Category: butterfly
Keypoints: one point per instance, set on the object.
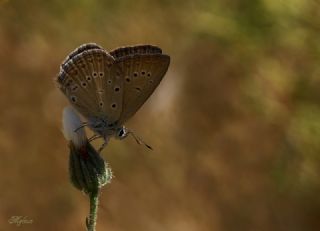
(108, 88)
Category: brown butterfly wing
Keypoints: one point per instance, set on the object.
(143, 67)
(80, 49)
(89, 82)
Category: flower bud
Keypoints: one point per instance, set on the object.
(88, 171)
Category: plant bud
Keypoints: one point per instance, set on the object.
(88, 170)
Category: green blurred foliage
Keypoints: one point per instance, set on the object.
(235, 123)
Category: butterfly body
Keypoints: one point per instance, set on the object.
(109, 88)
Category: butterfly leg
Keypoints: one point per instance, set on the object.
(83, 125)
(95, 136)
(106, 141)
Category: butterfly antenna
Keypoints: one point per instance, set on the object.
(83, 125)
(139, 140)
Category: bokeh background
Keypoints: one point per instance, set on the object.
(235, 123)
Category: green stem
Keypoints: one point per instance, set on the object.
(92, 220)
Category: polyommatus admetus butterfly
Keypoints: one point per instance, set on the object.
(109, 88)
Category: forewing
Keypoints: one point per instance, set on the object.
(80, 49)
(143, 67)
(88, 81)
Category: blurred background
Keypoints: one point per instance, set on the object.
(235, 123)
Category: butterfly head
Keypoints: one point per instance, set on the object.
(121, 133)
(105, 129)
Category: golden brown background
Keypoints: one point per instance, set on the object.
(235, 123)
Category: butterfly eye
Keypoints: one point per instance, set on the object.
(121, 133)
